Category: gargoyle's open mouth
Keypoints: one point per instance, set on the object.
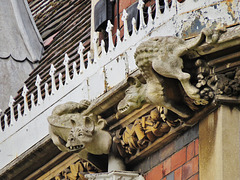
(75, 148)
(123, 109)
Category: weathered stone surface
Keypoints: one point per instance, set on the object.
(159, 59)
(135, 97)
(73, 131)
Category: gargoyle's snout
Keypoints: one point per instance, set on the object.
(73, 145)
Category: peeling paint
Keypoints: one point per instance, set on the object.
(191, 23)
(194, 29)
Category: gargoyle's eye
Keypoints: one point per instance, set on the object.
(80, 134)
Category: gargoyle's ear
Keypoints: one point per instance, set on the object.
(93, 118)
(101, 123)
(89, 124)
(133, 81)
(73, 123)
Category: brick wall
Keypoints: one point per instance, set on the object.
(177, 160)
(182, 165)
(123, 4)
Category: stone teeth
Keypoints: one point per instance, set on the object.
(124, 108)
(75, 147)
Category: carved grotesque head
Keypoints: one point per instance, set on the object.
(81, 134)
(72, 130)
(134, 97)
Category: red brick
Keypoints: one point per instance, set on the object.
(178, 159)
(190, 151)
(155, 173)
(190, 168)
(121, 33)
(166, 166)
(114, 30)
(133, 1)
(164, 178)
(114, 39)
(152, 2)
(115, 9)
(178, 174)
(123, 4)
(196, 147)
(194, 177)
(120, 21)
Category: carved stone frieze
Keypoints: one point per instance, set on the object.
(77, 171)
(206, 80)
(136, 136)
(229, 83)
(211, 84)
(72, 130)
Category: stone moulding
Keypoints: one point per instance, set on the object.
(126, 175)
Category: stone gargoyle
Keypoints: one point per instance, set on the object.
(72, 130)
(160, 62)
(136, 96)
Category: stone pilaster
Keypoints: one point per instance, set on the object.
(219, 149)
